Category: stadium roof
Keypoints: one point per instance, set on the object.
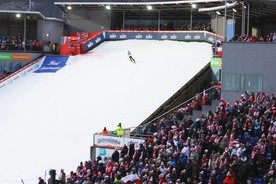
(260, 10)
(31, 15)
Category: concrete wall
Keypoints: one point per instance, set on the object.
(217, 24)
(88, 21)
(249, 58)
(50, 30)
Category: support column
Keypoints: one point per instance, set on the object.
(30, 5)
(191, 20)
(216, 28)
(158, 26)
(243, 20)
(234, 23)
(225, 21)
(248, 19)
(124, 19)
(24, 36)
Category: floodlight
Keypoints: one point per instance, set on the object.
(149, 7)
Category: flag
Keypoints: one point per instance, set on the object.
(131, 177)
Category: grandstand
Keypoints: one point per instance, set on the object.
(215, 126)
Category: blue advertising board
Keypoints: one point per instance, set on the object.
(93, 42)
(52, 64)
(166, 35)
(198, 36)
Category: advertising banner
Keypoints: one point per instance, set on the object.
(21, 57)
(93, 42)
(52, 64)
(111, 142)
(199, 36)
(104, 152)
(5, 56)
(15, 57)
(212, 38)
(216, 62)
(162, 35)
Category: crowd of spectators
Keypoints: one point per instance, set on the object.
(235, 144)
(168, 26)
(245, 38)
(16, 42)
(201, 27)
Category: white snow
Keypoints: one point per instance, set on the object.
(48, 119)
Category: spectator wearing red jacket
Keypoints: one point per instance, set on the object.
(229, 179)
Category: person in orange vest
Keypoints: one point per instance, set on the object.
(104, 132)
